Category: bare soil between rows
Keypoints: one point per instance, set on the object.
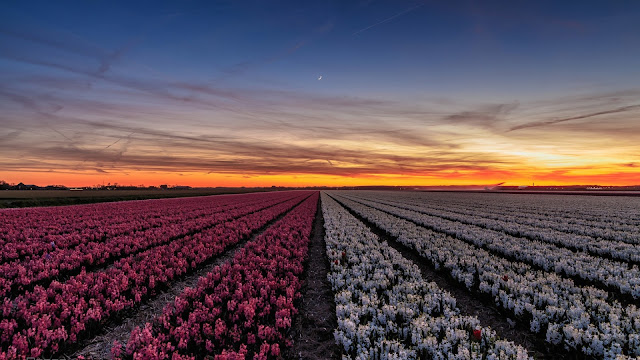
(312, 330)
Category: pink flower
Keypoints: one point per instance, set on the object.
(275, 349)
(221, 329)
(116, 349)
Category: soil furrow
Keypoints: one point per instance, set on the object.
(312, 330)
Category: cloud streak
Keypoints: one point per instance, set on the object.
(74, 116)
(224, 154)
(572, 118)
(487, 116)
(319, 139)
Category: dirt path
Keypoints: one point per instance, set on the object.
(468, 302)
(99, 346)
(312, 330)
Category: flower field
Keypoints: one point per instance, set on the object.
(563, 270)
(552, 277)
(382, 303)
(48, 319)
(245, 306)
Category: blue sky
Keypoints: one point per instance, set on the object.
(506, 45)
(88, 74)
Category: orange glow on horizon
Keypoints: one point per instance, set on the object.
(196, 179)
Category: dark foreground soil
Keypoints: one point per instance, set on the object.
(312, 330)
(468, 302)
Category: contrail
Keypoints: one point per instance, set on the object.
(117, 141)
(58, 132)
(388, 19)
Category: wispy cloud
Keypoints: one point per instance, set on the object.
(486, 116)
(89, 115)
(61, 40)
(577, 117)
(242, 154)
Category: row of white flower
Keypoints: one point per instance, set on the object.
(592, 226)
(574, 236)
(386, 310)
(581, 318)
(616, 274)
(590, 229)
(602, 211)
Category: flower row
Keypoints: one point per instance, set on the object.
(588, 234)
(45, 223)
(579, 318)
(615, 212)
(588, 225)
(534, 230)
(44, 321)
(35, 231)
(241, 308)
(20, 274)
(614, 274)
(385, 309)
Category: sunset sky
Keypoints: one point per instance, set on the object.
(296, 93)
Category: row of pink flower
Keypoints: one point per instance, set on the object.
(43, 322)
(243, 308)
(17, 275)
(34, 223)
(35, 231)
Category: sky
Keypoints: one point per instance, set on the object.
(299, 93)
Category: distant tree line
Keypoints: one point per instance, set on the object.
(6, 186)
(21, 186)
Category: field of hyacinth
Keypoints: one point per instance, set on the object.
(563, 269)
(565, 266)
(62, 281)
